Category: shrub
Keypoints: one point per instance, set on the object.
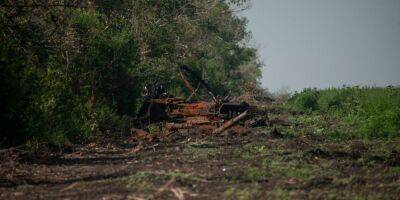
(105, 119)
(383, 125)
(380, 113)
(330, 99)
(307, 100)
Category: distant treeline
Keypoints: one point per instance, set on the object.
(70, 69)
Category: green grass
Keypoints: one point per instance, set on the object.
(364, 112)
(252, 192)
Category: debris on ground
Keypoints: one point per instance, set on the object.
(197, 116)
(268, 162)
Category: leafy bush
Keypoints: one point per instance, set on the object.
(380, 113)
(307, 100)
(330, 99)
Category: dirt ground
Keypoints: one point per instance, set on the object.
(264, 164)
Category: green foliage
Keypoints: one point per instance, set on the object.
(375, 112)
(381, 111)
(254, 191)
(307, 100)
(69, 73)
(330, 100)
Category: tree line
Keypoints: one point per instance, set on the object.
(72, 69)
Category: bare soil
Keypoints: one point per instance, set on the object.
(264, 164)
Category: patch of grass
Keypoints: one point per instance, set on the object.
(292, 169)
(280, 193)
(183, 178)
(255, 149)
(252, 192)
(141, 181)
(250, 151)
(392, 171)
(139, 177)
(150, 179)
(201, 151)
(316, 123)
(254, 174)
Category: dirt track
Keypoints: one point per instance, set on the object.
(262, 164)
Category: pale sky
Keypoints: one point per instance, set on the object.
(326, 43)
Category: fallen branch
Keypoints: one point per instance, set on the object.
(230, 123)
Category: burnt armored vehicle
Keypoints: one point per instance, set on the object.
(180, 114)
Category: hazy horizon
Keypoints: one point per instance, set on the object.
(326, 43)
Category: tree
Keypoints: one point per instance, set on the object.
(72, 68)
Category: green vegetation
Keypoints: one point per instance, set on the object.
(360, 112)
(71, 69)
(252, 192)
(73, 72)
